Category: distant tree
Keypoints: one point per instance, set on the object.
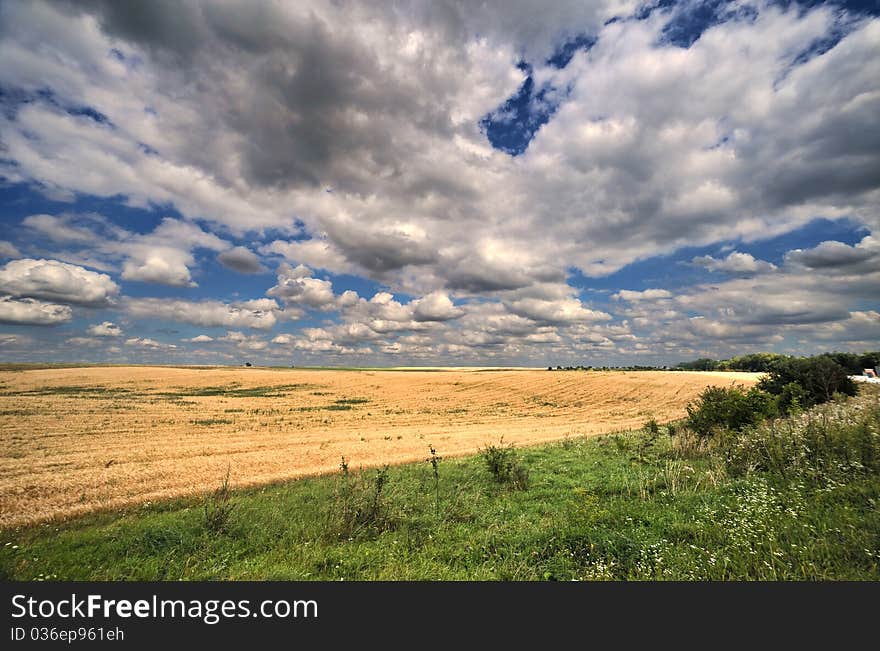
(755, 362)
(702, 364)
(820, 378)
(855, 363)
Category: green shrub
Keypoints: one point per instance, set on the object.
(793, 398)
(732, 408)
(645, 442)
(504, 467)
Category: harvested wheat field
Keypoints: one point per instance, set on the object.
(83, 439)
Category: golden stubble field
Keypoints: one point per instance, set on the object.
(83, 439)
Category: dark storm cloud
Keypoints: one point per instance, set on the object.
(289, 88)
(378, 251)
(839, 257)
(242, 260)
(479, 277)
(163, 26)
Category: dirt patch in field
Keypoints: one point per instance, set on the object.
(82, 439)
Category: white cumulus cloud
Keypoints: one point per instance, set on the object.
(262, 314)
(735, 263)
(56, 281)
(29, 311)
(105, 329)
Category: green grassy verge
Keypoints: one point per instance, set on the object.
(793, 499)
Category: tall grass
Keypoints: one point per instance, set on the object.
(830, 442)
(359, 507)
(218, 507)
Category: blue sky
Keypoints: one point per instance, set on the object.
(609, 182)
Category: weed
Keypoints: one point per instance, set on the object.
(435, 460)
(687, 445)
(358, 508)
(646, 441)
(218, 507)
(827, 443)
(675, 476)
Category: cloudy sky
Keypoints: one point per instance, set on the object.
(439, 182)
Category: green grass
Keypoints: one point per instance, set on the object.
(628, 506)
(99, 392)
(73, 391)
(36, 366)
(234, 391)
(346, 404)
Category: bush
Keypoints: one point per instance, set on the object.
(732, 408)
(793, 398)
(645, 442)
(820, 378)
(504, 467)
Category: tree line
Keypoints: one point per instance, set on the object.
(852, 363)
